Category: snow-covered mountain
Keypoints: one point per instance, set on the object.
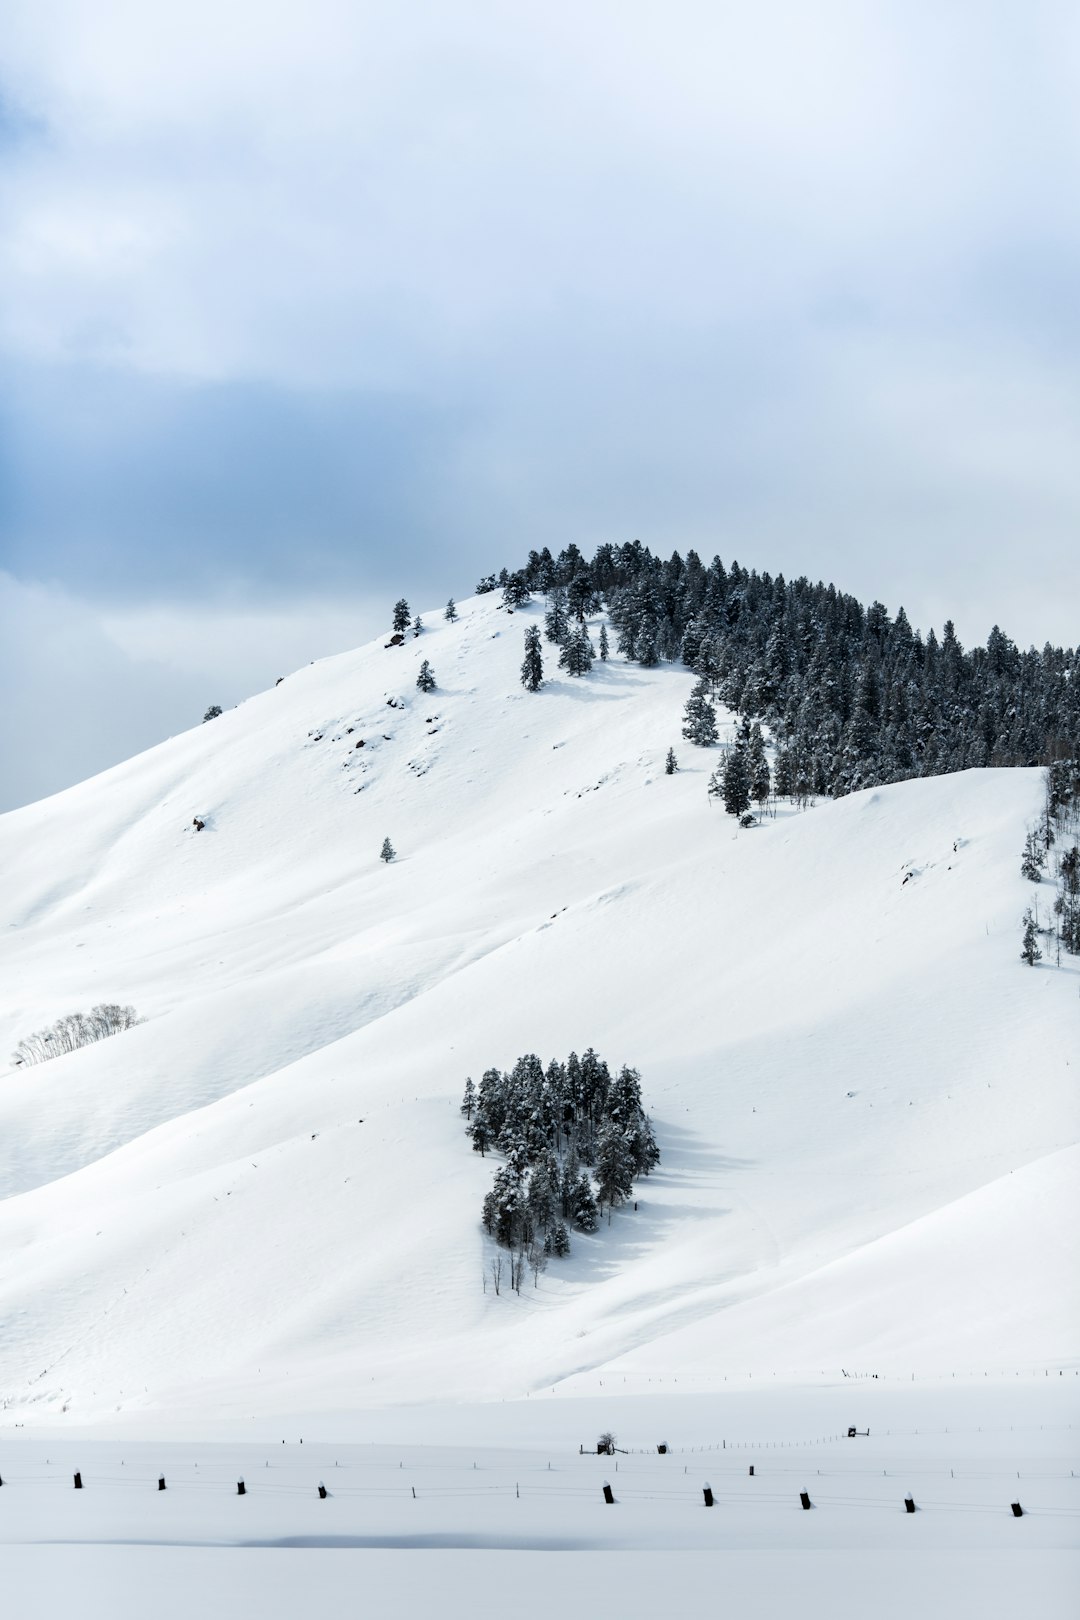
(263, 1196)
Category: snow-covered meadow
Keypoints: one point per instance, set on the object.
(261, 1202)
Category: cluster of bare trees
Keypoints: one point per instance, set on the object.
(74, 1030)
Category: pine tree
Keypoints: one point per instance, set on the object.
(605, 646)
(736, 781)
(532, 669)
(557, 1241)
(577, 655)
(402, 614)
(388, 852)
(699, 717)
(426, 678)
(417, 625)
(647, 642)
(614, 1165)
(1029, 950)
(671, 764)
(557, 619)
(758, 766)
(451, 611)
(468, 1101)
(516, 591)
(212, 712)
(583, 1211)
(1033, 859)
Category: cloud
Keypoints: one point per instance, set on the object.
(94, 685)
(356, 296)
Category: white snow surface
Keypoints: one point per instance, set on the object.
(262, 1200)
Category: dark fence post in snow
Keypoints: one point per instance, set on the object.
(662, 1449)
(909, 1504)
(78, 1482)
(707, 1494)
(751, 1470)
(1018, 1512)
(161, 1482)
(609, 1494)
(322, 1491)
(241, 1488)
(804, 1498)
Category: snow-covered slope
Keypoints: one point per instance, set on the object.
(263, 1196)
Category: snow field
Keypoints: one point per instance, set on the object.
(425, 1523)
(262, 1200)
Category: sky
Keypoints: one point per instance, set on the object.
(303, 307)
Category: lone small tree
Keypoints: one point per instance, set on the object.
(402, 615)
(388, 852)
(532, 668)
(671, 764)
(417, 625)
(426, 678)
(212, 712)
(1029, 950)
(605, 645)
(451, 611)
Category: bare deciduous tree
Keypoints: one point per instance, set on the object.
(74, 1030)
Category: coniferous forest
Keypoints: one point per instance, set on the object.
(572, 1140)
(851, 696)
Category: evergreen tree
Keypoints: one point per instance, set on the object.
(577, 655)
(1029, 950)
(557, 619)
(532, 669)
(468, 1101)
(417, 625)
(605, 647)
(451, 611)
(402, 614)
(671, 764)
(212, 712)
(557, 1241)
(1033, 859)
(758, 766)
(583, 1210)
(736, 781)
(426, 678)
(647, 642)
(388, 852)
(614, 1165)
(699, 717)
(515, 591)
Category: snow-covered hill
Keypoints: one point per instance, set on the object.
(262, 1196)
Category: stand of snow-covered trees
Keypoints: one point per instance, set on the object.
(74, 1030)
(572, 1138)
(851, 696)
(1052, 848)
